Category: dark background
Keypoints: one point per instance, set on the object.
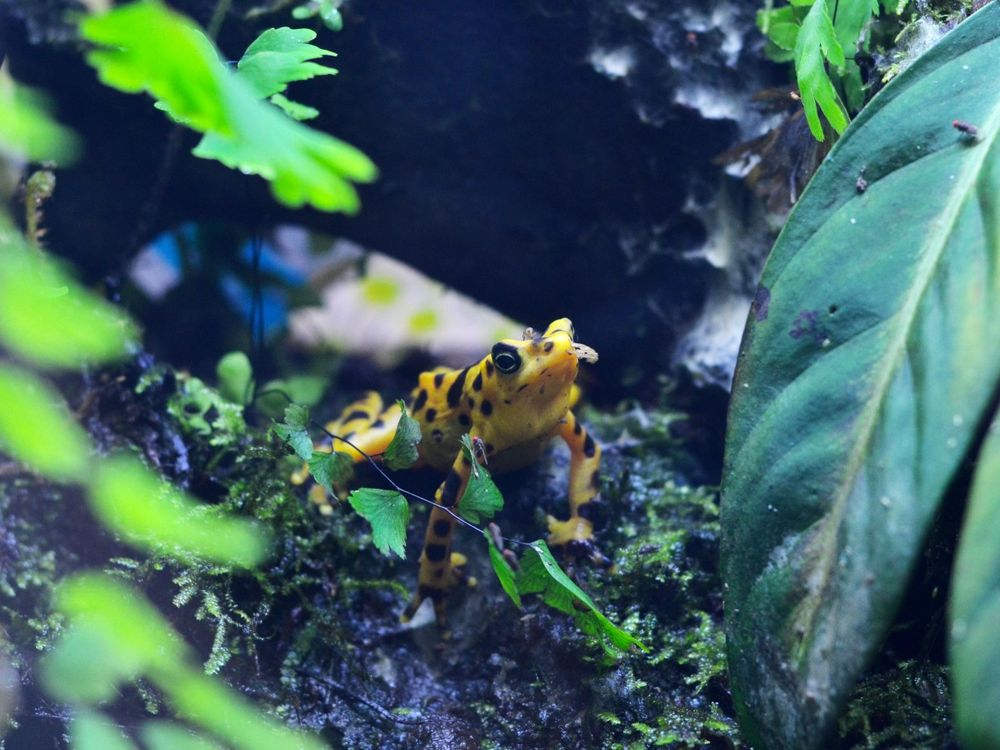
(511, 168)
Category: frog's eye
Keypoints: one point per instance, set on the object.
(506, 358)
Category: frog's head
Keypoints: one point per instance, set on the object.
(530, 380)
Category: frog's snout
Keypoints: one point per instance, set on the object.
(584, 353)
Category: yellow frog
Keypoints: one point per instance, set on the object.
(511, 402)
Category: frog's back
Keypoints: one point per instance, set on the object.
(439, 406)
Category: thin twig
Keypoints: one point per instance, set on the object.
(376, 707)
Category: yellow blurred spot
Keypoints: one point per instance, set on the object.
(380, 290)
(424, 321)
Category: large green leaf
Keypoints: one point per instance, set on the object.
(975, 607)
(868, 361)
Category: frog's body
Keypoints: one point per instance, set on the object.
(512, 402)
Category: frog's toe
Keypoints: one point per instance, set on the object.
(576, 536)
(457, 575)
(574, 529)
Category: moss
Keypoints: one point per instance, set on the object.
(908, 705)
(667, 589)
(315, 636)
(32, 560)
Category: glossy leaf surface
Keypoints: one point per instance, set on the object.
(869, 359)
(975, 607)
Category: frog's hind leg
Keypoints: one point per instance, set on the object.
(437, 560)
(366, 425)
(577, 533)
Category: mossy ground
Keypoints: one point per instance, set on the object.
(314, 634)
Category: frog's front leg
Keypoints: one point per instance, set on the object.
(584, 487)
(437, 559)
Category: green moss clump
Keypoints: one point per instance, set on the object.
(908, 705)
(31, 562)
(665, 588)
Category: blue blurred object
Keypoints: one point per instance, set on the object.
(186, 249)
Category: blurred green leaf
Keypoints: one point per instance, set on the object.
(768, 17)
(329, 469)
(35, 429)
(293, 109)
(304, 166)
(388, 513)
(481, 499)
(402, 452)
(177, 65)
(28, 132)
(331, 17)
(119, 611)
(208, 703)
(114, 636)
(150, 513)
(297, 417)
(86, 667)
(850, 21)
(235, 375)
(541, 574)
(275, 395)
(784, 35)
(328, 11)
(504, 573)
(305, 389)
(120, 624)
(281, 56)
(180, 67)
(816, 43)
(49, 319)
(166, 735)
(92, 731)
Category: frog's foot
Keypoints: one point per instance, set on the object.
(576, 536)
(457, 575)
(452, 575)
